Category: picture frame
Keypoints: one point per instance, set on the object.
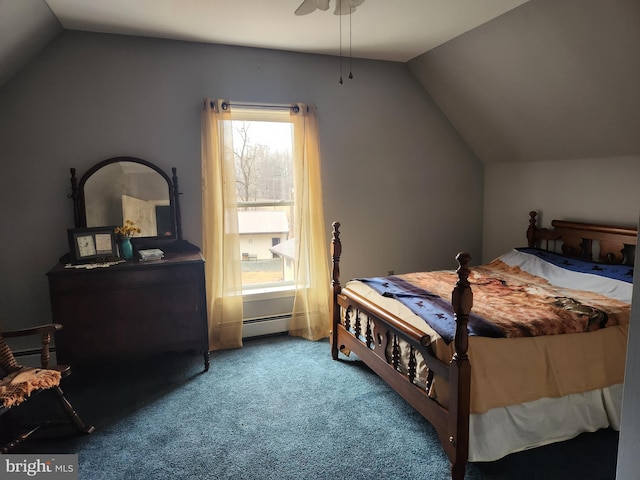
(92, 245)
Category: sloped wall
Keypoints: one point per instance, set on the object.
(26, 27)
(548, 80)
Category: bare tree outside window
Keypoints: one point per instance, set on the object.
(264, 187)
(249, 158)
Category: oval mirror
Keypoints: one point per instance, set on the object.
(126, 188)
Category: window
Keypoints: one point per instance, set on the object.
(283, 141)
(262, 152)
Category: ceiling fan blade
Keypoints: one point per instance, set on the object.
(345, 7)
(310, 6)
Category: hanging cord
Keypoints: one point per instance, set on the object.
(350, 56)
(340, 24)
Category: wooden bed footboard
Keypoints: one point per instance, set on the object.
(376, 335)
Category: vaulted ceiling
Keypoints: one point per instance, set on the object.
(377, 29)
(520, 80)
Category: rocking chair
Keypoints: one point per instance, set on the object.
(18, 384)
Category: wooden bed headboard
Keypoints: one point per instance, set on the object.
(611, 244)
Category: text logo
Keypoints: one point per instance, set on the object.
(50, 467)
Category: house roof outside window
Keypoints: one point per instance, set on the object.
(286, 249)
(258, 221)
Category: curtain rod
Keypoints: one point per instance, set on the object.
(282, 106)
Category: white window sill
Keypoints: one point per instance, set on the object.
(258, 294)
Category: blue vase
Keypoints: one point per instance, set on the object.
(126, 249)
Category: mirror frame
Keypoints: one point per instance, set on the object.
(79, 206)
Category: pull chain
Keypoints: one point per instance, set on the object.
(340, 24)
(350, 56)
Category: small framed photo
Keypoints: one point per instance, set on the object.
(92, 245)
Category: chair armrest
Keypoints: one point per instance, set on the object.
(41, 329)
(45, 331)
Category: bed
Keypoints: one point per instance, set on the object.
(492, 388)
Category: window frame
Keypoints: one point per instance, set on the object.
(268, 290)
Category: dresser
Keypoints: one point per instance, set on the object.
(130, 310)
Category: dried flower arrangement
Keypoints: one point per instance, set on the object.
(129, 229)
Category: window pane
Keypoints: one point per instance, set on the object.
(264, 188)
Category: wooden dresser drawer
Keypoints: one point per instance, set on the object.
(129, 310)
(124, 278)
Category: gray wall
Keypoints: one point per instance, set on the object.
(396, 174)
(590, 190)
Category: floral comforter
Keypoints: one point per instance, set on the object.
(508, 302)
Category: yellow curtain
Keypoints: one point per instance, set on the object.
(310, 318)
(220, 238)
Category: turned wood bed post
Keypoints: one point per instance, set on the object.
(74, 196)
(531, 231)
(176, 202)
(336, 250)
(460, 373)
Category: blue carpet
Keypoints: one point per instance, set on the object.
(280, 408)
